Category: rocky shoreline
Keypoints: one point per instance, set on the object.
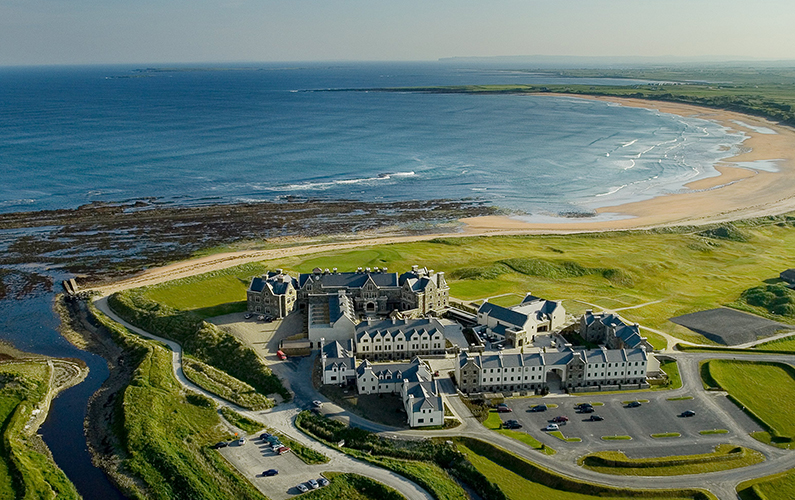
(110, 240)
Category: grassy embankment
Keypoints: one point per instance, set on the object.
(26, 471)
(724, 457)
(166, 434)
(762, 389)
(430, 465)
(688, 269)
(520, 479)
(352, 487)
(223, 384)
(199, 339)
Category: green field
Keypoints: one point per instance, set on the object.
(688, 269)
(783, 344)
(764, 389)
(520, 479)
(26, 472)
(724, 457)
(352, 487)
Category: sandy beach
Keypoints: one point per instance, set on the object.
(736, 193)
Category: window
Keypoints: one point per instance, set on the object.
(420, 420)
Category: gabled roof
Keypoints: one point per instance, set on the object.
(408, 327)
(503, 314)
(788, 275)
(349, 280)
(277, 282)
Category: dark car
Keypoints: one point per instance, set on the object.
(270, 472)
(248, 315)
(633, 404)
(221, 444)
(560, 419)
(596, 418)
(264, 436)
(586, 409)
(688, 413)
(511, 424)
(503, 408)
(541, 407)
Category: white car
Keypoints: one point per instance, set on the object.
(302, 488)
(241, 441)
(317, 404)
(552, 427)
(313, 484)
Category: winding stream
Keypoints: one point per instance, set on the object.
(31, 325)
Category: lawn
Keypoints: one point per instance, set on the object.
(520, 479)
(386, 409)
(762, 388)
(688, 269)
(724, 457)
(783, 344)
(352, 487)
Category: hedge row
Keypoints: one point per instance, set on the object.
(599, 461)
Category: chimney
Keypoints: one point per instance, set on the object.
(384, 269)
(334, 270)
(415, 268)
(326, 271)
(278, 271)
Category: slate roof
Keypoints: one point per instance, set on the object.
(788, 275)
(389, 373)
(503, 314)
(408, 327)
(350, 280)
(278, 287)
(426, 396)
(551, 358)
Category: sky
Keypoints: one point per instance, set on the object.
(39, 32)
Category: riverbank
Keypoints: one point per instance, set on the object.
(29, 385)
(736, 193)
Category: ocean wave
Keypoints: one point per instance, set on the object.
(612, 191)
(23, 201)
(320, 186)
(630, 143)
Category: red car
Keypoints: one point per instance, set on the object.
(560, 419)
(281, 355)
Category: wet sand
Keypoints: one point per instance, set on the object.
(736, 193)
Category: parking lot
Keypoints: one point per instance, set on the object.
(256, 456)
(657, 416)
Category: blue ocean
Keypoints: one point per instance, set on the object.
(70, 136)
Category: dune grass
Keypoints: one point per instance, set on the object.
(663, 435)
(689, 269)
(724, 457)
(763, 389)
(560, 436)
(713, 431)
(246, 424)
(224, 385)
(616, 438)
(165, 433)
(352, 487)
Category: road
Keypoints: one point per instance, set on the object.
(297, 377)
(280, 418)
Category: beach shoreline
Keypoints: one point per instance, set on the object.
(737, 192)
